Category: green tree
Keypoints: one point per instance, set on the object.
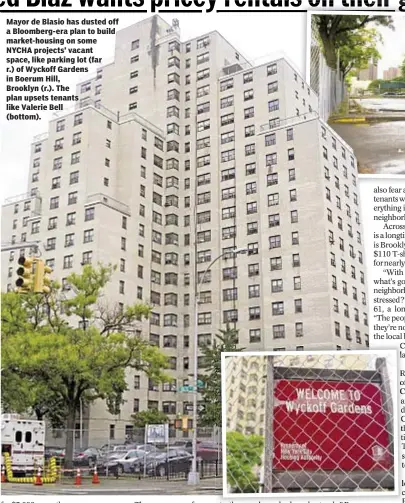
(151, 416)
(243, 453)
(45, 347)
(336, 32)
(359, 49)
(226, 341)
(402, 68)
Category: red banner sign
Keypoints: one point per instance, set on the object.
(329, 425)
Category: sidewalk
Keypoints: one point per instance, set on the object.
(109, 486)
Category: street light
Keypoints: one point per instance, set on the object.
(194, 475)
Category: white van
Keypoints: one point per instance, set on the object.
(24, 440)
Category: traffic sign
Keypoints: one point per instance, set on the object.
(186, 388)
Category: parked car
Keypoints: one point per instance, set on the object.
(55, 452)
(132, 462)
(173, 461)
(88, 457)
(209, 451)
(186, 445)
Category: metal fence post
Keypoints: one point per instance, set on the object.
(387, 405)
(268, 433)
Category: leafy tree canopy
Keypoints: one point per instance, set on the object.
(338, 33)
(226, 341)
(243, 453)
(151, 416)
(59, 349)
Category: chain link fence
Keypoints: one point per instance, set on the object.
(327, 83)
(309, 423)
(121, 450)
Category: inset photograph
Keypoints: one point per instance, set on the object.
(309, 422)
(357, 68)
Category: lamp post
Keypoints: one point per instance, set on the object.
(194, 475)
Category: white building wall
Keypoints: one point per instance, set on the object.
(123, 180)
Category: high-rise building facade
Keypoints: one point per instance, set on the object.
(392, 73)
(245, 378)
(177, 153)
(369, 73)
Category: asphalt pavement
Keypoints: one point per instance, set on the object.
(120, 486)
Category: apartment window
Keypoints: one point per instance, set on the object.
(274, 220)
(74, 177)
(274, 242)
(203, 107)
(54, 203)
(227, 119)
(228, 174)
(226, 84)
(254, 313)
(203, 236)
(253, 248)
(89, 214)
(293, 195)
(173, 61)
(273, 105)
(68, 262)
(253, 291)
(252, 228)
(251, 188)
(204, 179)
(203, 125)
(230, 316)
(299, 329)
(226, 102)
(86, 257)
(69, 240)
(204, 318)
(278, 332)
(270, 139)
(75, 158)
(250, 208)
(228, 193)
(203, 42)
(230, 294)
(273, 199)
(250, 149)
(272, 179)
(228, 232)
(271, 159)
(248, 95)
(57, 163)
(250, 168)
(227, 137)
(247, 77)
(88, 236)
(297, 283)
(55, 182)
(203, 91)
(52, 223)
(277, 308)
(229, 273)
(294, 216)
(203, 74)
(272, 69)
(291, 154)
(249, 131)
(249, 112)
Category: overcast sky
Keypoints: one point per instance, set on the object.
(393, 48)
(257, 36)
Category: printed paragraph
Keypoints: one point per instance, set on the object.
(39, 53)
(389, 261)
